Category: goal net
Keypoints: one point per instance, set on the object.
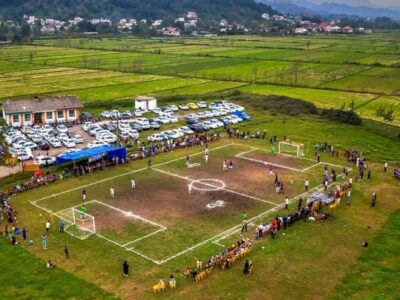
(80, 224)
(291, 148)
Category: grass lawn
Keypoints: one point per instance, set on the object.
(24, 276)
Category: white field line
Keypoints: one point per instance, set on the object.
(126, 173)
(157, 262)
(268, 163)
(129, 214)
(216, 187)
(136, 252)
(79, 205)
(216, 243)
(269, 151)
(144, 237)
(245, 152)
(310, 167)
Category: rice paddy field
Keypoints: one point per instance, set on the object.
(161, 227)
(328, 71)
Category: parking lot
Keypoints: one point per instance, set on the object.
(43, 143)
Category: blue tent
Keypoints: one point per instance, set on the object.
(94, 154)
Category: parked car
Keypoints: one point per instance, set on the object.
(55, 142)
(78, 139)
(197, 128)
(186, 130)
(156, 137)
(44, 160)
(44, 145)
(109, 127)
(96, 143)
(154, 125)
(25, 154)
(193, 105)
(183, 106)
(109, 139)
(202, 104)
(86, 126)
(106, 114)
(86, 116)
(69, 142)
(62, 128)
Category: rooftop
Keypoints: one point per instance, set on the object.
(41, 104)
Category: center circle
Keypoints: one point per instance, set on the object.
(211, 185)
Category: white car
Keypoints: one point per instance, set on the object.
(62, 128)
(183, 106)
(156, 137)
(124, 127)
(175, 134)
(86, 126)
(217, 122)
(157, 110)
(69, 142)
(164, 120)
(44, 160)
(202, 104)
(78, 139)
(93, 130)
(133, 133)
(55, 142)
(186, 130)
(138, 112)
(36, 138)
(25, 154)
(47, 127)
(210, 124)
(109, 139)
(30, 145)
(96, 143)
(106, 114)
(62, 136)
(68, 151)
(173, 119)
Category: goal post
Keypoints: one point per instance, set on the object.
(78, 224)
(291, 148)
(84, 221)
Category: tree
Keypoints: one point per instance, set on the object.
(25, 32)
(387, 115)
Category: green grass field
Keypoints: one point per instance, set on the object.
(158, 227)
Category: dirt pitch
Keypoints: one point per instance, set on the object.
(160, 220)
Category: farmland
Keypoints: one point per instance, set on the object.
(162, 225)
(328, 71)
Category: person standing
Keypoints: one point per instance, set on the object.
(326, 184)
(230, 165)
(44, 242)
(133, 184)
(84, 194)
(350, 182)
(24, 233)
(306, 185)
(318, 158)
(224, 166)
(61, 226)
(369, 174)
(66, 252)
(299, 204)
(125, 269)
(190, 186)
(206, 158)
(286, 202)
(246, 267)
(83, 211)
(149, 163)
(373, 199)
(112, 192)
(47, 225)
(385, 166)
(349, 197)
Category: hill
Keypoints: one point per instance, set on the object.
(305, 7)
(233, 10)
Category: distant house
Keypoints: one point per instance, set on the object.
(145, 103)
(347, 29)
(191, 15)
(300, 30)
(171, 31)
(41, 110)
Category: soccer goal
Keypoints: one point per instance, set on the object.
(81, 224)
(291, 148)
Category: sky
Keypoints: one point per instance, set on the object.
(380, 3)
